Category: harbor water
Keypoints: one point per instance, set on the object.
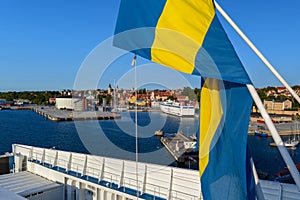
(116, 138)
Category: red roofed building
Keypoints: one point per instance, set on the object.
(281, 89)
(52, 100)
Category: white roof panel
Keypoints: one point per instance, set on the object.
(6, 194)
(26, 183)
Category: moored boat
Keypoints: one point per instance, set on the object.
(291, 143)
(260, 133)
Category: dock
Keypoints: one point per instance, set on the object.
(16, 108)
(180, 147)
(56, 115)
(273, 144)
(284, 129)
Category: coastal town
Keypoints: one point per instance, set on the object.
(106, 100)
(277, 100)
(69, 105)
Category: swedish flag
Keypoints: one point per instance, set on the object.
(187, 36)
(224, 166)
(182, 34)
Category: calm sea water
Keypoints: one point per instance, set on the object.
(116, 138)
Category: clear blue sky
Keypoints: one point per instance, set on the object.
(44, 42)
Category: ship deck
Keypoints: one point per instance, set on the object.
(107, 178)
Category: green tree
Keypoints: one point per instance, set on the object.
(38, 97)
(262, 94)
(271, 88)
(197, 92)
(142, 91)
(108, 99)
(187, 91)
(281, 97)
(172, 98)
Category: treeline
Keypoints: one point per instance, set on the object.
(193, 94)
(36, 97)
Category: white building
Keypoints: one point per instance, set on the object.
(71, 103)
(155, 104)
(278, 105)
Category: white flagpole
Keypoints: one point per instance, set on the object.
(277, 139)
(133, 63)
(258, 53)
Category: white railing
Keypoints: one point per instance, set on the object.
(154, 180)
(119, 175)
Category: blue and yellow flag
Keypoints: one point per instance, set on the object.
(187, 36)
(182, 34)
(224, 166)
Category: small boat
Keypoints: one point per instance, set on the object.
(263, 134)
(260, 133)
(291, 143)
(159, 133)
(5, 108)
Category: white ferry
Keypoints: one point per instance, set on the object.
(175, 108)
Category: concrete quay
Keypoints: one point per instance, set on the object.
(176, 146)
(284, 129)
(54, 114)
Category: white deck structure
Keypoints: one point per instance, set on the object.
(7, 194)
(30, 186)
(94, 177)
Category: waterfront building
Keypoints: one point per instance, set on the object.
(182, 98)
(277, 104)
(71, 103)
